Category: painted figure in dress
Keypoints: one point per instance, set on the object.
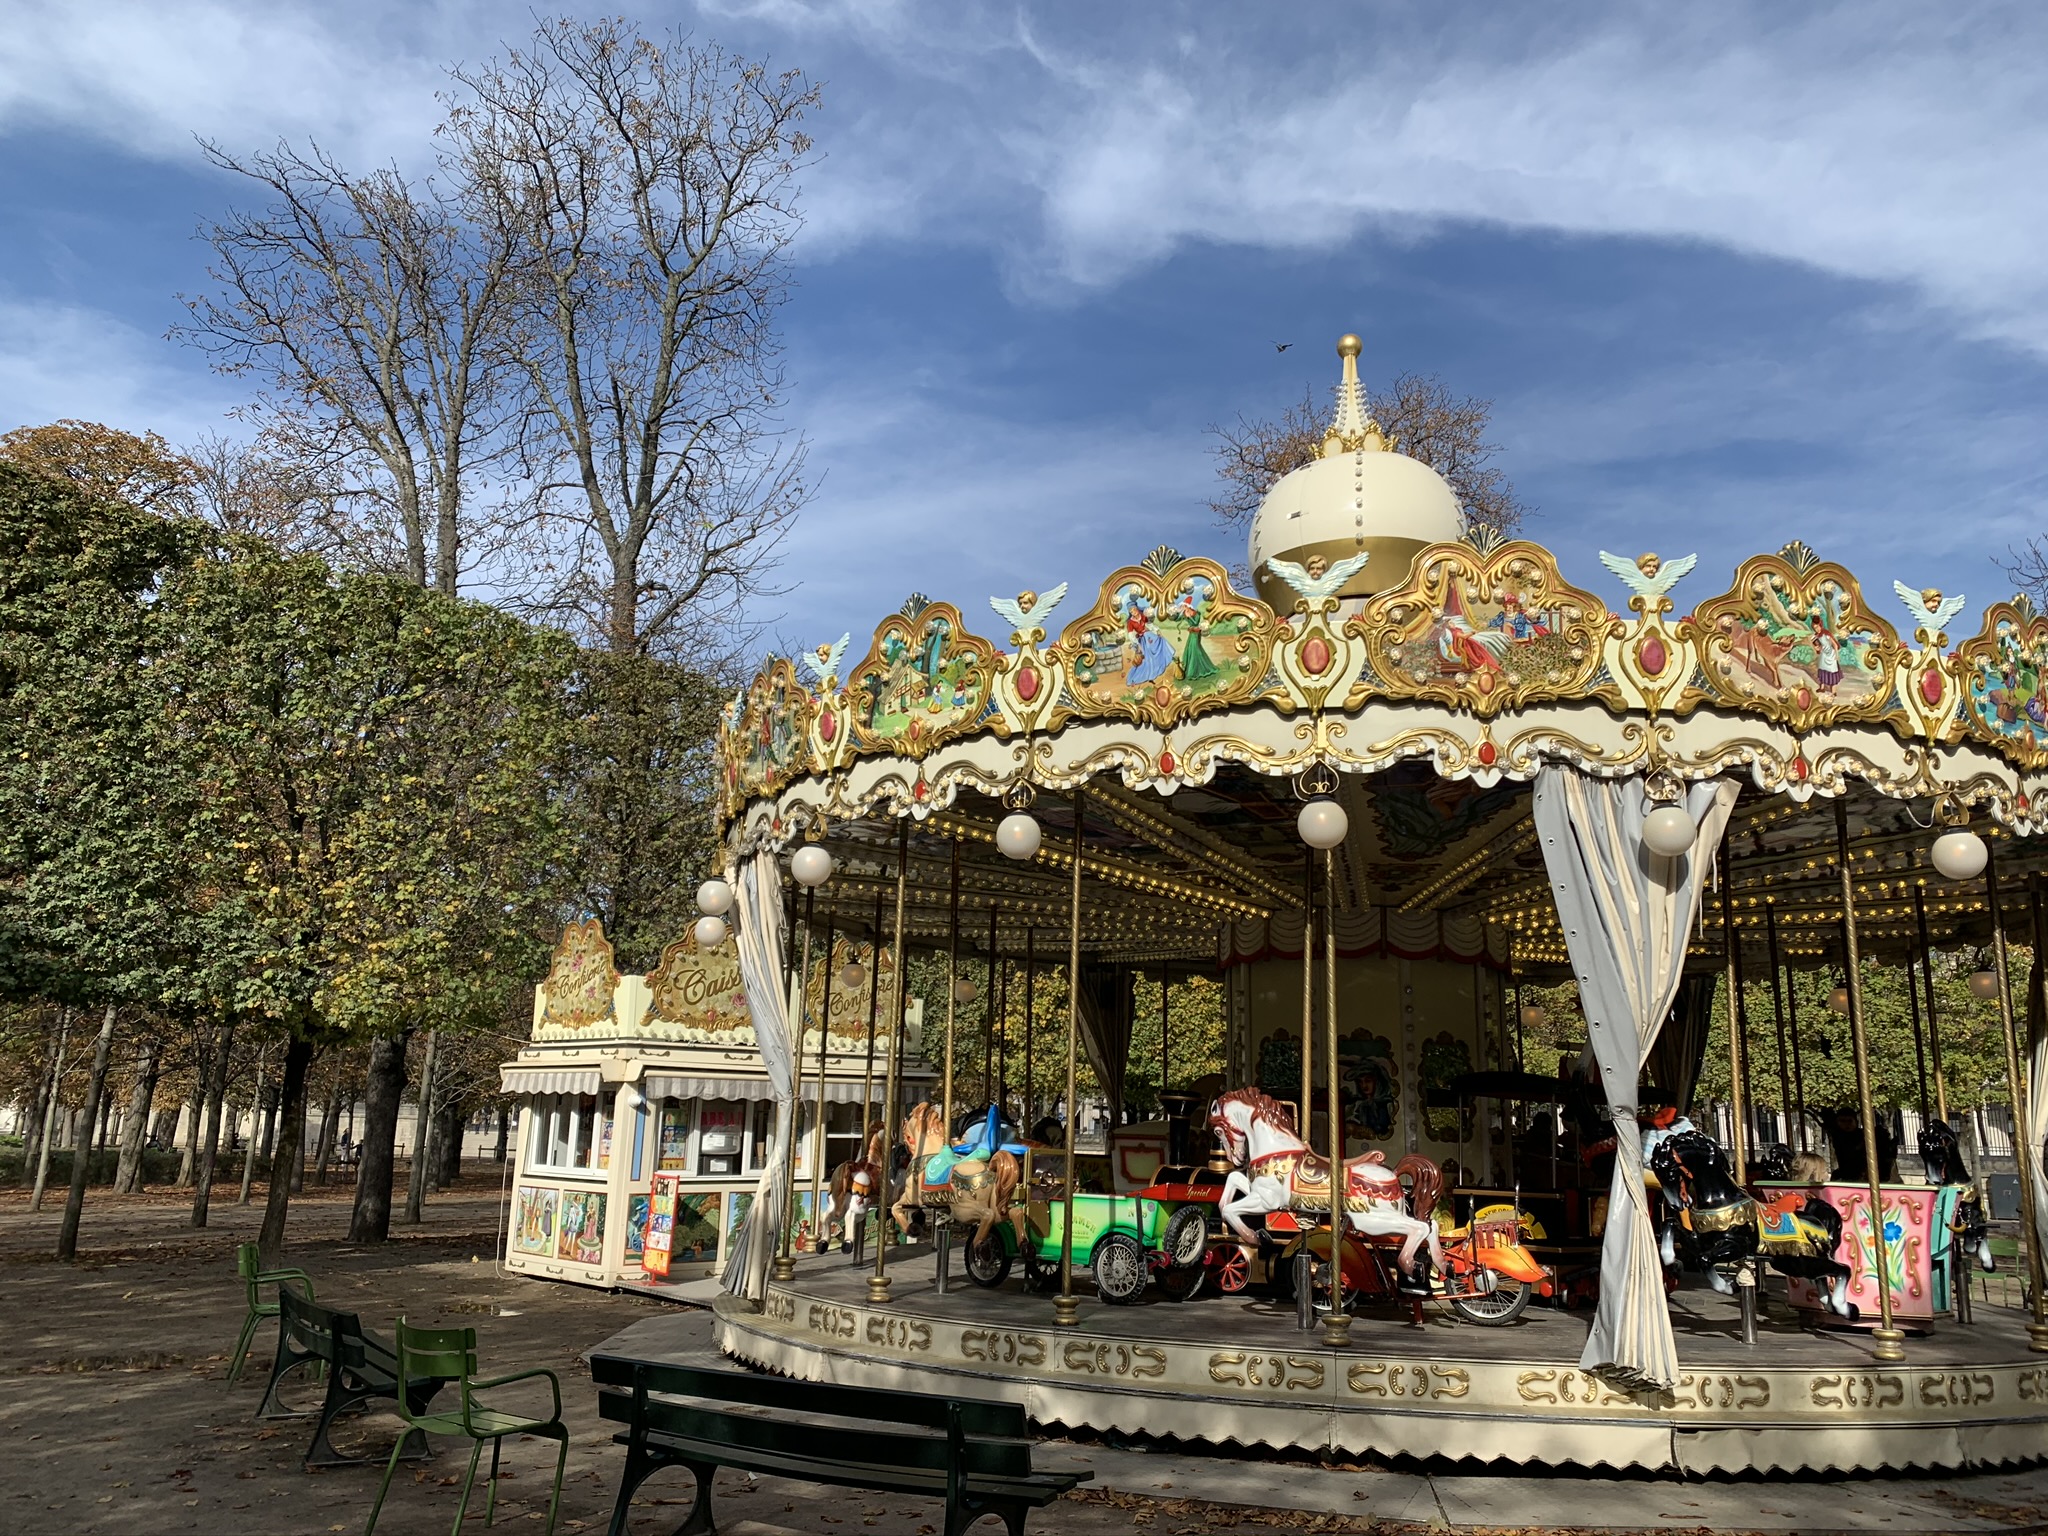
(1162, 635)
(1808, 651)
(2008, 676)
(924, 675)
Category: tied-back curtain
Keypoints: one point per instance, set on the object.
(1681, 1045)
(1626, 913)
(2036, 1128)
(1105, 1026)
(758, 935)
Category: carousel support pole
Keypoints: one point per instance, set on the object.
(1308, 994)
(1030, 1095)
(1066, 1311)
(1738, 1073)
(1778, 1013)
(878, 1283)
(1933, 1023)
(952, 1002)
(988, 1015)
(1919, 1044)
(1003, 1040)
(2022, 1140)
(785, 1258)
(1890, 1344)
(867, 1091)
(818, 1233)
(1337, 1322)
(1165, 1047)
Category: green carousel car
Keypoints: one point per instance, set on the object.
(1123, 1240)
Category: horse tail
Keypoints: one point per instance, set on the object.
(1425, 1180)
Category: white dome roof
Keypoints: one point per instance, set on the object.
(1359, 496)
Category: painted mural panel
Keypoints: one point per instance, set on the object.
(533, 1219)
(580, 1237)
(766, 734)
(638, 1208)
(1166, 640)
(924, 679)
(2005, 673)
(697, 1222)
(581, 978)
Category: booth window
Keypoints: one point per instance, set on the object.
(764, 1120)
(721, 1138)
(571, 1132)
(842, 1134)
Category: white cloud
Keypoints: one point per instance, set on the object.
(59, 360)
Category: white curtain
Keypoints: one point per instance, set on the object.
(2036, 1064)
(1626, 914)
(758, 933)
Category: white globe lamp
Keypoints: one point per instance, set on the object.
(1960, 854)
(1322, 823)
(853, 975)
(715, 897)
(1838, 1000)
(1019, 835)
(710, 931)
(810, 866)
(1532, 1016)
(1668, 832)
(1984, 984)
(965, 991)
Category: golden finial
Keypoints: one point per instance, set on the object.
(1349, 346)
(1352, 429)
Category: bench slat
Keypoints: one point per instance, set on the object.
(1036, 1488)
(873, 1403)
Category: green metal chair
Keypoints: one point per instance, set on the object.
(256, 1279)
(449, 1354)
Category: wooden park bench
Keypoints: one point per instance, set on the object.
(975, 1455)
(359, 1366)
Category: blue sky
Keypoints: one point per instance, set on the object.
(1729, 278)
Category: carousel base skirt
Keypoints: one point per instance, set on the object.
(1234, 1370)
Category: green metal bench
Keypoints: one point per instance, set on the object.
(360, 1368)
(255, 1278)
(975, 1455)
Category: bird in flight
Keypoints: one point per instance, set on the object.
(1282, 346)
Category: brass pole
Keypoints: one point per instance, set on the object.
(1738, 1067)
(952, 1002)
(1308, 990)
(1165, 1049)
(1933, 1023)
(878, 1283)
(1888, 1342)
(1778, 1012)
(824, 1032)
(867, 1092)
(1030, 1095)
(1337, 1322)
(988, 1017)
(1003, 1040)
(1066, 1311)
(2022, 1136)
(785, 1256)
(1919, 1044)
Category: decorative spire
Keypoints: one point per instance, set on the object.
(1352, 429)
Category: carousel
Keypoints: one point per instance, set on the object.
(1414, 769)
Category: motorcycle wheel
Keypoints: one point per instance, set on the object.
(988, 1262)
(1182, 1284)
(1508, 1300)
(1119, 1266)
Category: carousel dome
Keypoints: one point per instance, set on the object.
(1359, 495)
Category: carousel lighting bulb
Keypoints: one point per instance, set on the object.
(1668, 832)
(853, 975)
(715, 897)
(1984, 984)
(1838, 1000)
(810, 865)
(1322, 823)
(710, 931)
(1019, 835)
(1960, 854)
(1532, 1016)
(965, 991)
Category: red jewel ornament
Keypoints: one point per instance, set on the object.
(1315, 655)
(1166, 762)
(1796, 768)
(1027, 684)
(1930, 687)
(919, 789)
(828, 726)
(1486, 754)
(1652, 656)
(1803, 698)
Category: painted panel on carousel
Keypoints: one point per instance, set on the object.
(848, 1023)
(698, 996)
(1910, 1243)
(924, 679)
(766, 739)
(1485, 630)
(581, 982)
(2005, 670)
(1794, 639)
(1167, 640)
(1372, 1085)
(1445, 1058)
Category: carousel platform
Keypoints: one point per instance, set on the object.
(1235, 1371)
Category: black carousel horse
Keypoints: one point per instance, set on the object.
(1941, 1154)
(1721, 1226)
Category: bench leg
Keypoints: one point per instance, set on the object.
(700, 1521)
(961, 1517)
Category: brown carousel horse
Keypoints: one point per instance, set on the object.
(858, 1185)
(974, 1184)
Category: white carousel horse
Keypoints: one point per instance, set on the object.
(1273, 1169)
(857, 1187)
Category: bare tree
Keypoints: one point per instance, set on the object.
(263, 490)
(371, 309)
(1418, 414)
(651, 191)
(2027, 568)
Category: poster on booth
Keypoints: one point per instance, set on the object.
(659, 1242)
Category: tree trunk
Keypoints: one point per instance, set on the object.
(384, 1082)
(81, 1157)
(298, 1056)
(209, 1135)
(504, 1131)
(330, 1121)
(131, 1174)
(255, 1120)
(106, 1122)
(448, 1145)
(35, 1121)
(265, 1126)
(422, 1134)
(50, 1112)
(195, 1106)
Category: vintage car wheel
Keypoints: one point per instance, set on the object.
(1119, 1265)
(1040, 1275)
(1185, 1241)
(1233, 1270)
(1508, 1300)
(988, 1261)
(1182, 1284)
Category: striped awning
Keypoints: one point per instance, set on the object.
(549, 1080)
(837, 1091)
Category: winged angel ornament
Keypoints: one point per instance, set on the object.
(1029, 612)
(1315, 582)
(823, 664)
(1931, 611)
(1648, 577)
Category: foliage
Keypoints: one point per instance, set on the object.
(106, 463)
(1418, 413)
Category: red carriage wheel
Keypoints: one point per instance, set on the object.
(1233, 1270)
